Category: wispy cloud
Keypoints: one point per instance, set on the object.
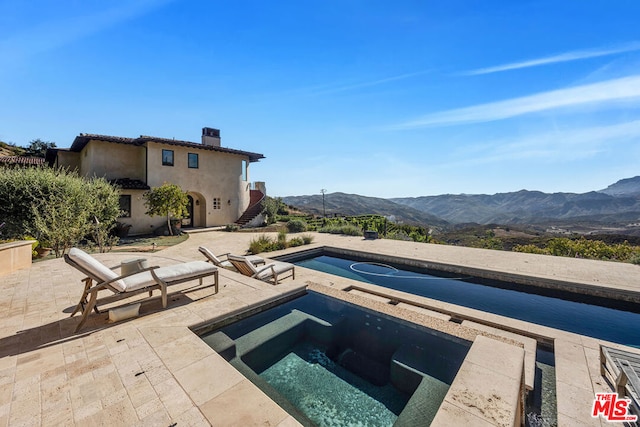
(564, 145)
(337, 87)
(563, 57)
(601, 93)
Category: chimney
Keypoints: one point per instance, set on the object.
(211, 137)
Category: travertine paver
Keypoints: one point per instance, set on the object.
(488, 386)
(529, 348)
(201, 386)
(243, 405)
(129, 373)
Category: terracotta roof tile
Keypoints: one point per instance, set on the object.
(83, 139)
(22, 160)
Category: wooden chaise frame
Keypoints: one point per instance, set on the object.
(245, 267)
(91, 292)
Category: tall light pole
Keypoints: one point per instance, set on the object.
(324, 212)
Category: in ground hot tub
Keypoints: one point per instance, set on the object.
(328, 362)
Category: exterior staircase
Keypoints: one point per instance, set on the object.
(254, 209)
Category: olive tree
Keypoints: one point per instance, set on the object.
(271, 207)
(105, 207)
(56, 206)
(167, 200)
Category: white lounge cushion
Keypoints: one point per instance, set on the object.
(253, 259)
(278, 266)
(97, 269)
(226, 264)
(169, 274)
(214, 259)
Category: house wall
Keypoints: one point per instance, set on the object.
(218, 176)
(112, 161)
(140, 222)
(68, 159)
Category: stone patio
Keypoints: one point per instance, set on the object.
(152, 370)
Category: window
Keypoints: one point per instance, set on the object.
(167, 157)
(216, 203)
(244, 170)
(125, 206)
(193, 160)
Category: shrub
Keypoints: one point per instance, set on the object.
(231, 227)
(491, 243)
(530, 249)
(399, 235)
(296, 226)
(347, 229)
(57, 206)
(262, 244)
(584, 248)
(416, 236)
(296, 241)
(265, 243)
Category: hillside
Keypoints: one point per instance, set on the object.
(353, 204)
(624, 187)
(526, 207)
(614, 210)
(10, 150)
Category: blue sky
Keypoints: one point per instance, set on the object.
(378, 98)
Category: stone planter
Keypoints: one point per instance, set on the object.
(15, 256)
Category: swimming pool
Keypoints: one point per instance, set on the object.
(506, 299)
(330, 363)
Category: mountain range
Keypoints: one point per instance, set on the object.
(618, 203)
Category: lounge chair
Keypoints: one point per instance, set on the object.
(215, 259)
(264, 273)
(621, 368)
(123, 286)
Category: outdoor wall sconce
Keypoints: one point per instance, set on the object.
(229, 202)
(197, 202)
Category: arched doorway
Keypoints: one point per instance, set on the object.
(187, 222)
(196, 208)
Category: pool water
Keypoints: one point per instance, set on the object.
(331, 363)
(586, 319)
(541, 408)
(329, 394)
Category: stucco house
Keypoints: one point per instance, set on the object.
(216, 178)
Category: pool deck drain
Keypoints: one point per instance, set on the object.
(152, 370)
